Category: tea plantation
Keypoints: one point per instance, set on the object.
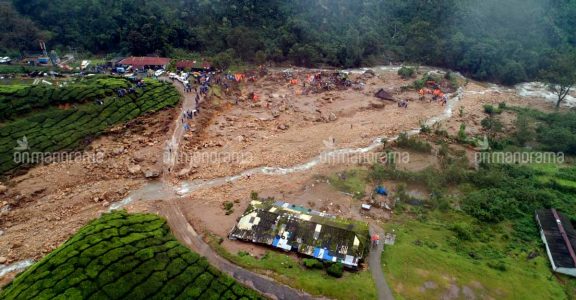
(55, 119)
(124, 256)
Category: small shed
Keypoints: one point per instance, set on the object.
(384, 95)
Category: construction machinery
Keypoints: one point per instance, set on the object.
(52, 57)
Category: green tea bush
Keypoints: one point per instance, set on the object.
(150, 264)
(51, 129)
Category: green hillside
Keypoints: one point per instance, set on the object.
(124, 256)
(57, 119)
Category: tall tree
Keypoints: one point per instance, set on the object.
(560, 75)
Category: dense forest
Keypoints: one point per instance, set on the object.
(505, 41)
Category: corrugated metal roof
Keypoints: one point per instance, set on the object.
(145, 61)
(560, 237)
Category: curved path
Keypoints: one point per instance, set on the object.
(184, 232)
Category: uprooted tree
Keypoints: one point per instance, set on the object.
(560, 75)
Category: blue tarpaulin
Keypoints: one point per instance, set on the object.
(382, 191)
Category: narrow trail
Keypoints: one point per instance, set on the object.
(170, 153)
(186, 234)
(374, 261)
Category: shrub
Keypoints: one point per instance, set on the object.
(414, 144)
(312, 263)
(336, 270)
(462, 231)
(462, 136)
(406, 72)
(498, 265)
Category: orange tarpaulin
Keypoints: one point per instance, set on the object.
(294, 82)
(239, 77)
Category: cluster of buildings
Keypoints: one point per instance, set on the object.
(310, 233)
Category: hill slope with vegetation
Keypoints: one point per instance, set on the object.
(506, 41)
(124, 256)
(54, 119)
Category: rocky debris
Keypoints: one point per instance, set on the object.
(369, 74)
(3, 189)
(138, 157)
(240, 138)
(134, 169)
(283, 127)
(377, 105)
(16, 244)
(118, 151)
(332, 117)
(151, 173)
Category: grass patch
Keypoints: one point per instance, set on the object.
(124, 256)
(351, 182)
(432, 251)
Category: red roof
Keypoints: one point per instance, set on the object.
(188, 64)
(145, 61)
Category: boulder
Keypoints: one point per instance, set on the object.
(151, 173)
(134, 169)
(369, 73)
(332, 117)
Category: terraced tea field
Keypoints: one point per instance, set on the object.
(55, 119)
(124, 256)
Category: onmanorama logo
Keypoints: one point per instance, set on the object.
(23, 155)
(519, 157)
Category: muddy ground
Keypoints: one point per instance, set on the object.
(43, 207)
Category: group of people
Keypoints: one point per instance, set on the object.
(187, 87)
(437, 95)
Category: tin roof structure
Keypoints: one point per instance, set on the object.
(295, 228)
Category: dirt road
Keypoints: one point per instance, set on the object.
(184, 232)
(384, 291)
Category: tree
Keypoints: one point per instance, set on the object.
(560, 76)
(17, 32)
